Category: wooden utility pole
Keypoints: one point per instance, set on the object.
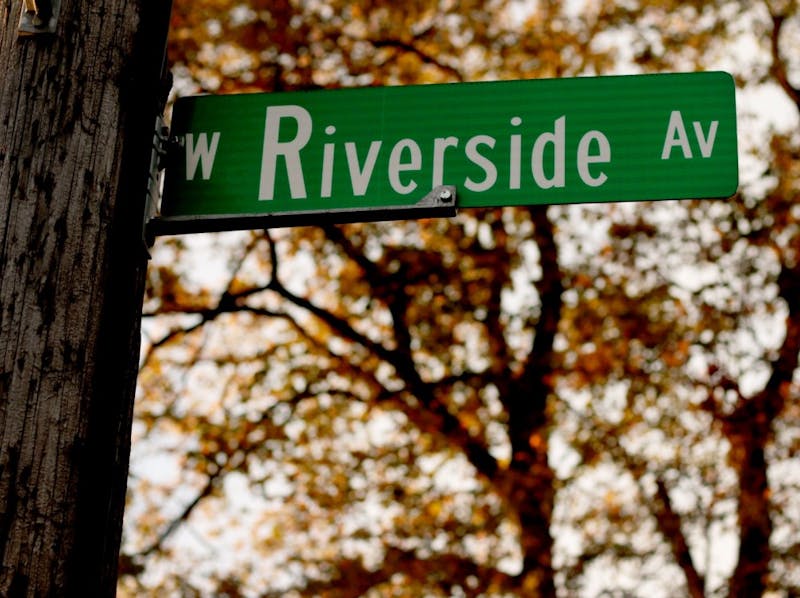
(77, 110)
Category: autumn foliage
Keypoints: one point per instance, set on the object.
(584, 400)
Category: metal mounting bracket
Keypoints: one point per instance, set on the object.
(158, 153)
(440, 202)
(38, 16)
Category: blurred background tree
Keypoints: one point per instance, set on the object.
(584, 400)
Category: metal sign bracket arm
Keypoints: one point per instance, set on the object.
(439, 202)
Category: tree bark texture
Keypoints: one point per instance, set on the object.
(76, 121)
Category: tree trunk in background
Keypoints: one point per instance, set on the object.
(76, 120)
(749, 430)
(531, 476)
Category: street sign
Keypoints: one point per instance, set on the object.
(553, 141)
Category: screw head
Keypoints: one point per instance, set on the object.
(445, 195)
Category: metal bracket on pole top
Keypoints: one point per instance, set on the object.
(440, 202)
(38, 16)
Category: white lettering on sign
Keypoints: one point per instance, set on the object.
(361, 175)
(200, 153)
(556, 139)
(396, 166)
(706, 143)
(677, 137)
(585, 158)
(440, 144)
(514, 158)
(290, 150)
(479, 159)
(327, 164)
(288, 130)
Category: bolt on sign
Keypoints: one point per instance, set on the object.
(529, 142)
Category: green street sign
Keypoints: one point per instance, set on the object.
(553, 141)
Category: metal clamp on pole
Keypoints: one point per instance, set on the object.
(39, 16)
(158, 153)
